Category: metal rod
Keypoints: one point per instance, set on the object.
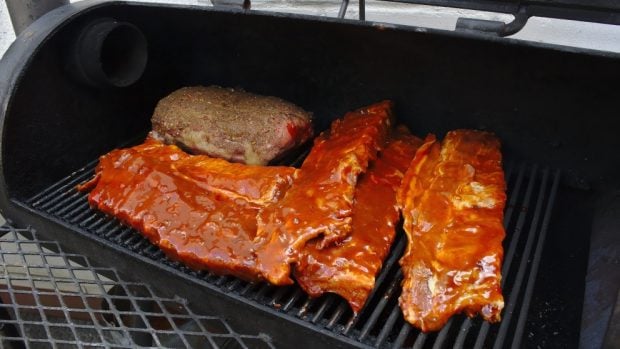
(388, 326)
(513, 195)
(325, 304)
(443, 334)
(402, 335)
(343, 8)
(381, 305)
(342, 308)
(362, 14)
(24, 12)
(66, 181)
(533, 235)
(527, 297)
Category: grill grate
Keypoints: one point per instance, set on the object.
(52, 299)
(531, 195)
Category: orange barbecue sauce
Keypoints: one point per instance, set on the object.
(320, 201)
(452, 199)
(236, 219)
(177, 201)
(349, 268)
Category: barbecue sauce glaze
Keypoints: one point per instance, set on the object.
(452, 200)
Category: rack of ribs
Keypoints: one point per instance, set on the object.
(349, 268)
(198, 210)
(452, 200)
(320, 201)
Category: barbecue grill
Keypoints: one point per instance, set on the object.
(67, 99)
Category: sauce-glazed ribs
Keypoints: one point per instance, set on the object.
(452, 200)
(350, 267)
(320, 201)
(198, 210)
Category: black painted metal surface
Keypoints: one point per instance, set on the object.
(551, 105)
(600, 11)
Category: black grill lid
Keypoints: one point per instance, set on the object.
(598, 11)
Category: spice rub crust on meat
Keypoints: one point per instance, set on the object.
(231, 124)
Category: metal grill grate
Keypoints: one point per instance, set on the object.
(531, 195)
(52, 299)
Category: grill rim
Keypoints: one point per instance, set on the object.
(35, 217)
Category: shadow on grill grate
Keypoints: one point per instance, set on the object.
(54, 299)
(531, 195)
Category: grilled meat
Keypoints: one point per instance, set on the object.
(204, 211)
(452, 200)
(204, 220)
(320, 200)
(231, 124)
(349, 268)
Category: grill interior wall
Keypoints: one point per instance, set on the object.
(547, 106)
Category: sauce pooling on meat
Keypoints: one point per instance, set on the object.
(349, 268)
(211, 214)
(198, 210)
(452, 199)
(320, 201)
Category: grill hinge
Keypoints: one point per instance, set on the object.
(497, 28)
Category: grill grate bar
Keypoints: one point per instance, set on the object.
(70, 207)
(520, 224)
(294, 297)
(70, 181)
(389, 324)
(114, 231)
(443, 334)
(278, 295)
(329, 300)
(304, 308)
(60, 200)
(80, 212)
(100, 221)
(527, 297)
(89, 221)
(512, 203)
(402, 335)
(464, 330)
(340, 311)
(221, 280)
(390, 263)
(245, 289)
(233, 285)
(110, 224)
(420, 340)
(514, 292)
(138, 246)
(261, 291)
(374, 316)
(120, 237)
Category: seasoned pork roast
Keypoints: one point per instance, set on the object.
(231, 123)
